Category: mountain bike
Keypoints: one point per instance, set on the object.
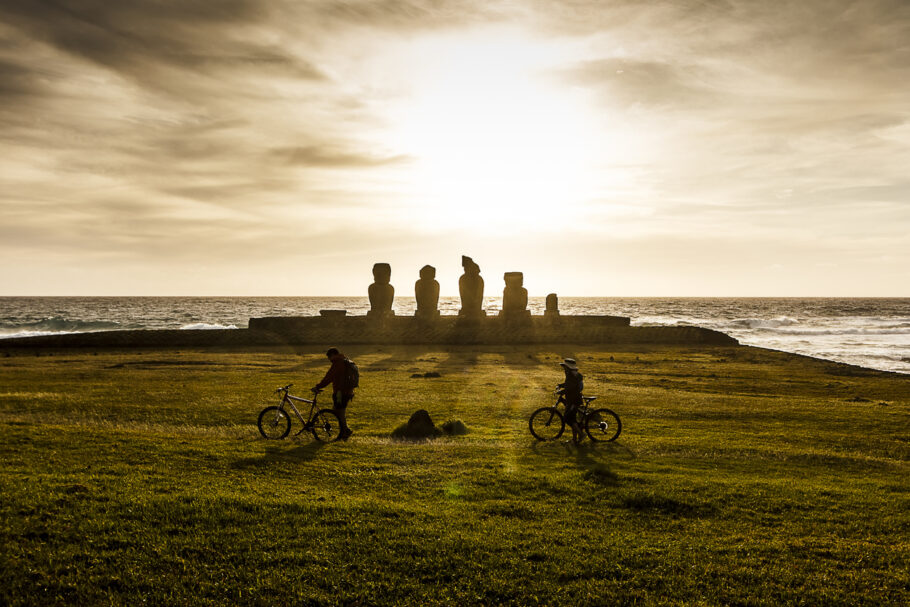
(601, 425)
(275, 421)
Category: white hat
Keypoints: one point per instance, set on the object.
(569, 363)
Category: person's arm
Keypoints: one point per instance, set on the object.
(337, 366)
(325, 380)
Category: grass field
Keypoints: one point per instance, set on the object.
(742, 477)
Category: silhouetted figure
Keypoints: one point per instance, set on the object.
(514, 296)
(573, 386)
(552, 308)
(426, 291)
(381, 292)
(470, 287)
(342, 393)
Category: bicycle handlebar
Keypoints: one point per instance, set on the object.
(289, 386)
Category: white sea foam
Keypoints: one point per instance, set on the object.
(7, 334)
(765, 323)
(198, 326)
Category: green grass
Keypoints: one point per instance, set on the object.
(742, 477)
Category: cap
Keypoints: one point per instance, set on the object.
(569, 362)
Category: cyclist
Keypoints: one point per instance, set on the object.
(573, 387)
(341, 393)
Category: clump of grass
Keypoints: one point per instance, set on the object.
(419, 427)
(454, 427)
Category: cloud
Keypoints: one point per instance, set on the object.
(331, 157)
(16, 81)
(155, 44)
(411, 15)
(650, 83)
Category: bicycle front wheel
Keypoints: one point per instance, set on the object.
(603, 425)
(274, 423)
(546, 424)
(326, 427)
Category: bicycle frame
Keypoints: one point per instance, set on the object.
(581, 411)
(288, 399)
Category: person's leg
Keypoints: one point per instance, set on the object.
(340, 402)
(573, 422)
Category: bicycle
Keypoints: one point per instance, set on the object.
(601, 425)
(275, 421)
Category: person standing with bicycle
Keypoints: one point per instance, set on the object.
(573, 386)
(343, 384)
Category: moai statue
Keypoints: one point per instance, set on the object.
(470, 287)
(381, 291)
(514, 296)
(426, 291)
(552, 309)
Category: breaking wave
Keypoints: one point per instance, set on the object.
(56, 325)
(764, 323)
(858, 331)
(198, 326)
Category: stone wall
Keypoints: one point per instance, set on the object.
(483, 330)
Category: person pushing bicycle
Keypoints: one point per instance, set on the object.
(342, 387)
(572, 387)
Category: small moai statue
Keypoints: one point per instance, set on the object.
(514, 296)
(552, 309)
(426, 291)
(381, 292)
(470, 287)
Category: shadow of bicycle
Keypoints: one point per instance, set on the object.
(281, 453)
(594, 459)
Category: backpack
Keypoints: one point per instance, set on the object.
(351, 374)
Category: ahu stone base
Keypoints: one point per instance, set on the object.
(479, 330)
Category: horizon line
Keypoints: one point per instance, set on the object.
(499, 296)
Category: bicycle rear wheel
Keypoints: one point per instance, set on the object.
(274, 423)
(546, 424)
(326, 427)
(603, 425)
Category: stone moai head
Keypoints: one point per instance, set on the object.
(552, 302)
(382, 273)
(514, 280)
(427, 273)
(469, 266)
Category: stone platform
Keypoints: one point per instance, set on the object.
(341, 330)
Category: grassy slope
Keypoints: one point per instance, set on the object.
(742, 477)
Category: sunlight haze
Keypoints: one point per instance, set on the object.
(602, 148)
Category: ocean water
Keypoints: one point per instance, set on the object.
(871, 332)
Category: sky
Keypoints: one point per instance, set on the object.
(603, 148)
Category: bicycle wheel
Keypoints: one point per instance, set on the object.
(546, 424)
(603, 425)
(274, 423)
(326, 427)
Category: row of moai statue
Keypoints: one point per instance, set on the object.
(470, 287)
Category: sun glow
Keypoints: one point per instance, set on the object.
(497, 142)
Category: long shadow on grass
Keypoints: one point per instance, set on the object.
(592, 458)
(276, 453)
